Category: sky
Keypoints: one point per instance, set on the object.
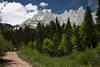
(17, 11)
(58, 6)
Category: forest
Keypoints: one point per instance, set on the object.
(55, 45)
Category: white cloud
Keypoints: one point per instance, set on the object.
(43, 4)
(31, 7)
(15, 13)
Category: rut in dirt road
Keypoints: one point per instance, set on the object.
(14, 60)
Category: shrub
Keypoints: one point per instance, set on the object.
(89, 57)
(5, 45)
(47, 46)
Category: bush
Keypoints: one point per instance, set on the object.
(47, 46)
(5, 45)
(89, 57)
(30, 45)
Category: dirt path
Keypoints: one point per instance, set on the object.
(14, 61)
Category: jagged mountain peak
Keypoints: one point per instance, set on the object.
(81, 8)
(47, 11)
(46, 16)
(65, 12)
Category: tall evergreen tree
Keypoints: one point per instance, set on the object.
(98, 13)
(58, 29)
(83, 37)
(56, 42)
(63, 45)
(39, 36)
(75, 37)
(68, 30)
(52, 28)
(87, 29)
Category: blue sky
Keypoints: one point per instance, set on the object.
(58, 6)
(18, 11)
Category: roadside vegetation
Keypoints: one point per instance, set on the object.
(89, 58)
(4, 47)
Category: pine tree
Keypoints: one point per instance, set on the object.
(83, 36)
(56, 42)
(52, 28)
(58, 27)
(62, 45)
(98, 13)
(58, 30)
(68, 30)
(39, 36)
(75, 37)
(90, 28)
(63, 28)
(87, 32)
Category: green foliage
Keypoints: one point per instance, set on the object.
(68, 27)
(30, 45)
(87, 31)
(5, 45)
(74, 40)
(34, 45)
(47, 46)
(98, 17)
(83, 36)
(63, 44)
(52, 29)
(89, 58)
(97, 49)
(10, 45)
(90, 30)
(68, 30)
(98, 13)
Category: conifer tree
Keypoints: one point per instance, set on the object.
(90, 31)
(56, 42)
(83, 36)
(98, 13)
(63, 45)
(87, 32)
(58, 30)
(63, 28)
(39, 36)
(68, 30)
(75, 37)
(52, 28)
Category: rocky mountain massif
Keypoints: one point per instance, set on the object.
(46, 16)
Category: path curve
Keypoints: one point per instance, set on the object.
(14, 60)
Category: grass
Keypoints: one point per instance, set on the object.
(89, 58)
